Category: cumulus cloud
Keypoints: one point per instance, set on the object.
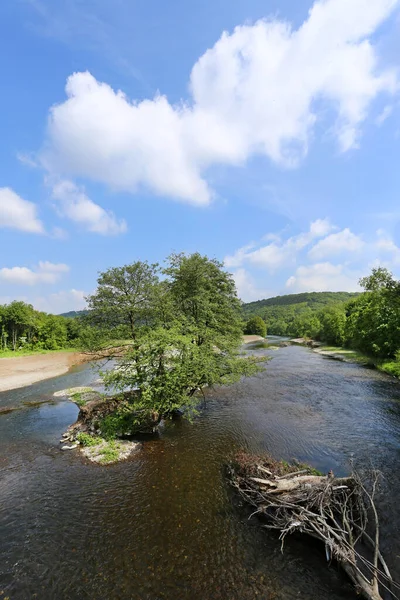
(247, 288)
(334, 244)
(387, 248)
(17, 213)
(297, 261)
(323, 277)
(278, 254)
(60, 302)
(45, 272)
(73, 203)
(258, 91)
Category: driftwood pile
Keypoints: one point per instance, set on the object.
(340, 512)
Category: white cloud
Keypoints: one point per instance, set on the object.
(60, 302)
(385, 114)
(45, 272)
(278, 254)
(336, 243)
(17, 213)
(386, 247)
(258, 90)
(246, 287)
(323, 277)
(73, 203)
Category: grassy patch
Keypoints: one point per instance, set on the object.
(110, 453)
(82, 396)
(88, 440)
(346, 354)
(12, 354)
(391, 368)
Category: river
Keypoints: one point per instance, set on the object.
(164, 524)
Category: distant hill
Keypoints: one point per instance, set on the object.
(295, 315)
(311, 299)
(73, 314)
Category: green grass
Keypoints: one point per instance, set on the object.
(12, 354)
(110, 453)
(390, 367)
(88, 440)
(349, 355)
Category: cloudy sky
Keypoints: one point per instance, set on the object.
(264, 133)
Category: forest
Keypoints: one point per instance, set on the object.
(24, 329)
(368, 322)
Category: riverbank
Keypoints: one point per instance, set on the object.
(390, 367)
(70, 517)
(20, 371)
(248, 339)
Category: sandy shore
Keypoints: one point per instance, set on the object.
(247, 339)
(20, 371)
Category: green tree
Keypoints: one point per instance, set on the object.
(373, 319)
(305, 324)
(53, 332)
(19, 318)
(123, 300)
(205, 297)
(333, 324)
(185, 334)
(256, 326)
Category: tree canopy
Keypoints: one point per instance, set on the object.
(368, 321)
(171, 330)
(24, 328)
(256, 326)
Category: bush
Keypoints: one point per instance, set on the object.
(392, 367)
(87, 440)
(256, 326)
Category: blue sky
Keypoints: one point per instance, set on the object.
(266, 134)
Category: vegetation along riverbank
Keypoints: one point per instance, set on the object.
(362, 327)
(182, 332)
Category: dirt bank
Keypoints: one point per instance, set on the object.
(20, 371)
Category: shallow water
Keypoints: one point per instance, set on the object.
(165, 524)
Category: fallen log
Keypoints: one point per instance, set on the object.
(335, 510)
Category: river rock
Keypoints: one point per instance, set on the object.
(72, 447)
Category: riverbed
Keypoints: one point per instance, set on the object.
(164, 524)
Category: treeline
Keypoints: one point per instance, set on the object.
(314, 300)
(24, 328)
(368, 322)
(300, 315)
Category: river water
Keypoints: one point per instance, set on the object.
(164, 524)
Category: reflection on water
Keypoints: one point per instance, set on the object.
(164, 524)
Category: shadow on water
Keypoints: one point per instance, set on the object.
(165, 524)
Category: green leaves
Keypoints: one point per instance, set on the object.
(184, 330)
(256, 326)
(21, 326)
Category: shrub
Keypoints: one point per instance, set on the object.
(87, 440)
(256, 326)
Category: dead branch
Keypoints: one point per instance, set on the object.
(337, 511)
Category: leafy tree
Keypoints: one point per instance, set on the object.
(123, 299)
(256, 326)
(333, 324)
(19, 317)
(205, 297)
(373, 319)
(30, 329)
(306, 325)
(380, 279)
(53, 333)
(185, 332)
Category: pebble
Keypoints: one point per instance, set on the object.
(69, 447)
